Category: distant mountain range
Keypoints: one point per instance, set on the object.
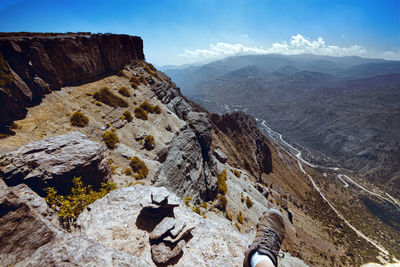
(340, 110)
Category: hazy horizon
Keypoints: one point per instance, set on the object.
(189, 32)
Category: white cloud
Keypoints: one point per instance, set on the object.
(297, 45)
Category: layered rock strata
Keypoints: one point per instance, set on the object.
(41, 64)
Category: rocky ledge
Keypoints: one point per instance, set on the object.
(40, 64)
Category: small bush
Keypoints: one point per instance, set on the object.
(240, 217)
(249, 202)
(123, 91)
(157, 109)
(128, 171)
(149, 108)
(89, 94)
(140, 168)
(69, 207)
(140, 113)
(134, 82)
(237, 173)
(111, 139)
(127, 115)
(149, 142)
(151, 67)
(108, 98)
(187, 200)
(142, 80)
(120, 73)
(196, 209)
(222, 202)
(204, 204)
(79, 119)
(241, 197)
(238, 227)
(228, 216)
(222, 187)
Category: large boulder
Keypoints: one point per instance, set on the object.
(54, 162)
(23, 228)
(185, 171)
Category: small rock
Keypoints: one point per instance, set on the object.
(161, 253)
(179, 225)
(162, 228)
(220, 155)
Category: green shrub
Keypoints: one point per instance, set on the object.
(111, 139)
(139, 167)
(140, 113)
(79, 119)
(222, 187)
(6, 78)
(157, 109)
(222, 202)
(228, 216)
(127, 116)
(149, 142)
(108, 98)
(240, 217)
(69, 207)
(123, 91)
(249, 202)
(237, 173)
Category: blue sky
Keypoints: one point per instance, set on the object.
(187, 31)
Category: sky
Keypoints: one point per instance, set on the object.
(177, 32)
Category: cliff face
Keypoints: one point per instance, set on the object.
(41, 64)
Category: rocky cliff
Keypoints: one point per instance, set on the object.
(40, 64)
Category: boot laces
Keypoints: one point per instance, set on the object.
(270, 241)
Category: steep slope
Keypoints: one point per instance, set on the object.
(197, 206)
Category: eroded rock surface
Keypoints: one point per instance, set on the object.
(54, 162)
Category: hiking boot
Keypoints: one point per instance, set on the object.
(269, 237)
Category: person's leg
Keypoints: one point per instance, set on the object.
(268, 240)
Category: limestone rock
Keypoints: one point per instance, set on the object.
(162, 228)
(117, 221)
(184, 171)
(125, 151)
(54, 162)
(202, 128)
(161, 253)
(22, 230)
(79, 250)
(179, 225)
(220, 155)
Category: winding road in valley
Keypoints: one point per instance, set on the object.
(342, 177)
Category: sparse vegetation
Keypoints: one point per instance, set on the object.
(149, 108)
(222, 187)
(187, 200)
(140, 113)
(240, 217)
(228, 216)
(238, 227)
(204, 204)
(79, 119)
(249, 202)
(222, 202)
(196, 209)
(6, 78)
(134, 82)
(124, 91)
(108, 98)
(140, 168)
(237, 173)
(149, 142)
(128, 171)
(69, 207)
(127, 115)
(111, 139)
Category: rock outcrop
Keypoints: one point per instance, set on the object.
(54, 162)
(188, 168)
(23, 228)
(250, 144)
(40, 64)
(118, 221)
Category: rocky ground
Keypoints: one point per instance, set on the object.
(175, 215)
